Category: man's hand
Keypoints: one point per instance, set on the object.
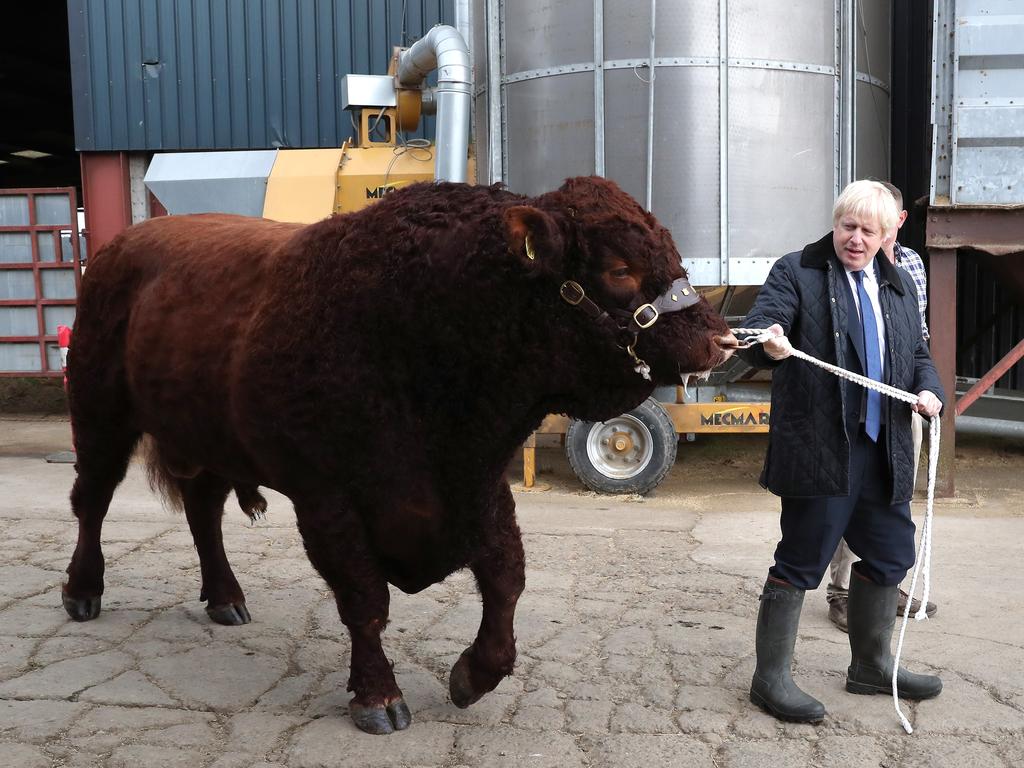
(927, 404)
(778, 347)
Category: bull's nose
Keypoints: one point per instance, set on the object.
(727, 344)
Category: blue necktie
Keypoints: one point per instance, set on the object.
(873, 357)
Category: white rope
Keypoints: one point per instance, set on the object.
(924, 553)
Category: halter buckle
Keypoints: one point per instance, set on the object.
(572, 292)
(649, 310)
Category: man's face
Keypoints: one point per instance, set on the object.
(856, 240)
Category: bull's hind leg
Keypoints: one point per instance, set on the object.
(204, 496)
(499, 568)
(102, 456)
(336, 543)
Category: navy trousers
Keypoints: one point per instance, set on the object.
(880, 533)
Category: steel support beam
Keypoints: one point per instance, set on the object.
(989, 379)
(998, 230)
(942, 324)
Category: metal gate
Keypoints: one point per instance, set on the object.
(40, 273)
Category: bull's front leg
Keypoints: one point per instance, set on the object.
(499, 568)
(336, 542)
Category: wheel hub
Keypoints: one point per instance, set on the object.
(621, 447)
(621, 443)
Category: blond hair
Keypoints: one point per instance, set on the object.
(867, 200)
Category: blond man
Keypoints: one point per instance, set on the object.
(840, 569)
(840, 456)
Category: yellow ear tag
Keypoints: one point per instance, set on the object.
(529, 250)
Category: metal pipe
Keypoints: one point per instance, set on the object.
(464, 23)
(837, 106)
(847, 85)
(650, 114)
(599, 87)
(495, 115)
(428, 101)
(444, 49)
(723, 141)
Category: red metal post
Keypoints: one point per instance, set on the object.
(942, 324)
(106, 196)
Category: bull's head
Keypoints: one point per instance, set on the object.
(620, 269)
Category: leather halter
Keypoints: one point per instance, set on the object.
(679, 295)
(627, 325)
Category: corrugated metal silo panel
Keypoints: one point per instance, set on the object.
(685, 195)
(780, 167)
(546, 151)
(785, 32)
(551, 34)
(625, 108)
(229, 74)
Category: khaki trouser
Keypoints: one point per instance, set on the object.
(842, 561)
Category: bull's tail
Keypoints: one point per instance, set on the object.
(166, 476)
(163, 479)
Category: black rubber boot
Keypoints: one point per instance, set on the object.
(872, 615)
(773, 688)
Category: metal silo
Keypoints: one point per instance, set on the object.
(735, 121)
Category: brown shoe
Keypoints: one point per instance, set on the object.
(915, 605)
(837, 611)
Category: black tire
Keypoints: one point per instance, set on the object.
(630, 453)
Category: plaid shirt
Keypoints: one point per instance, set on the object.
(910, 260)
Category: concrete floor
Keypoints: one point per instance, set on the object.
(635, 634)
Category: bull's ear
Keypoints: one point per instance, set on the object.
(533, 236)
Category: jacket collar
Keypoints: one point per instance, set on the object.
(818, 254)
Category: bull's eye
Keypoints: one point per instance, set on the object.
(619, 273)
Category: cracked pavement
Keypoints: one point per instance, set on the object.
(635, 635)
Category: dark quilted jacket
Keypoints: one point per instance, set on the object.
(808, 446)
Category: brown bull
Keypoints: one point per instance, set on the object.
(379, 369)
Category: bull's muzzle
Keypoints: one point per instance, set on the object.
(727, 344)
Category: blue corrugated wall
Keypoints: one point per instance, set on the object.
(229, 74)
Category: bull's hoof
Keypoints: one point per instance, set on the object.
(400, 715)
(81, 608)
(380, 721)
(460, 683)
(231, 614)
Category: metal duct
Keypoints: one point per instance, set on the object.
(444, 49)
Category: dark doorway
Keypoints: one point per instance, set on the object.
(37, 136)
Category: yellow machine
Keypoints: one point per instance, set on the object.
(305, 185)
